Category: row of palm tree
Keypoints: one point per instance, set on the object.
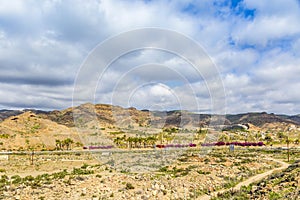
(135, 142)
(64, 144)
(143, 142)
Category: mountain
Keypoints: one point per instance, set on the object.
(259, 119)
(102, 122)
(4, 114)
(115, 115)
(8, 113)
(109, 114)
(295, 118)
(104, 113)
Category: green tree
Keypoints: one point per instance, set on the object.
(78, 144)
(118, 141)
(152, 140)
(68, 143)
(58, 144)
(129, 142)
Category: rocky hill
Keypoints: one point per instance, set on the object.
(108, 114)
(24, 129)
(105, 114)
(295, 118)
(259, 119)
(29, 130)
(115, 115)
(8, 113)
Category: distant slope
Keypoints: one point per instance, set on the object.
(295, 118)
(259, 119)
(105, 114)
(4, 114)
(8, 113)
(29, 130)
(108, 115)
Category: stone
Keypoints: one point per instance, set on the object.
(83, 191)
(154, 192)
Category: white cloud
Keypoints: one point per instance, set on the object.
(43, 43)
(273, 21)
(238, 60)
(263, 30)
(12, 7)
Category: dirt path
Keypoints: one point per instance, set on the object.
(250, 180)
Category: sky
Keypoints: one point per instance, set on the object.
(253, 46)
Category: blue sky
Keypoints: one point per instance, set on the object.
(254, 44)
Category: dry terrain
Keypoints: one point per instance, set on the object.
(146, 155)
(69, 176)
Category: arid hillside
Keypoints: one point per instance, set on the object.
(41, 129)
(29, 130)
(109, 114)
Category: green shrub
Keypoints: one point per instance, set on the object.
(98, 176)
(16, 179)
(4, 136)
(4, 179)
(274, 196)
(129, 186)
(28, 178)
(203, 172)
(163, 169)
(60, 175)
(84, 166)
(79, 171)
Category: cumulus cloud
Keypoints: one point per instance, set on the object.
(254, 44)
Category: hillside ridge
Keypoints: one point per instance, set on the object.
(110, 114)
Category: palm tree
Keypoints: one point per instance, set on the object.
(135, 141)
(169, 137)
(152, 140)
(140, 140)
(145, 142)
(117, 141)
(58, 144)
(161, 137)
(129, 142)
(68, 142)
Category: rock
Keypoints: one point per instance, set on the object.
(18, 191)
(254, 188)
(83, 191)
(12, 188)
(144, 197)
(139, 192)
(154, 192)
(6, 193)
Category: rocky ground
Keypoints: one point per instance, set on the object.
(280, 185)
(189, 177)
